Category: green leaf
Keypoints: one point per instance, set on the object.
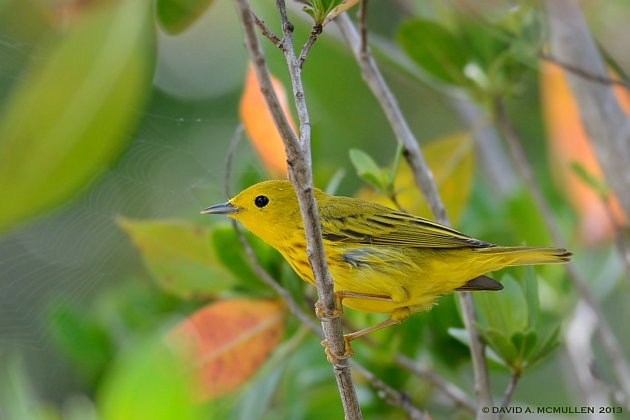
(461, 335)
(595, 184)
(230, 252)
(529, 343)
(504, 311)
(435, 49)
(368, 169)
(527, 225)
(500, 343)
(84, 342)
(320, 9)
(180, 256)
(524, 342)
(451, 160)
(177, 15)
(549, 345)
(530, 290)
(148, 382)
(70, 116)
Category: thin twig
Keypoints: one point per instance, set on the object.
(425, 182)
(583, 73)
(294, 308)
(389, 395)
(620, 232)
(236, 138)
(363, 27)
(300, 173)
(510, 388)
(315, 31)
(301, 176)
(266, 32)
(609, 342)
(458, 396)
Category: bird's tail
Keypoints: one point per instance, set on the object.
(525, 255)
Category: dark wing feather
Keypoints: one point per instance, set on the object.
(361, 222)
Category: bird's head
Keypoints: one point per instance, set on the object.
(268, 209)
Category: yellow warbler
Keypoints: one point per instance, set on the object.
(381, 260)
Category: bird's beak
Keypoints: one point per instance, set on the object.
(223, 208)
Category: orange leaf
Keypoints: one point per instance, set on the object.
(227, 341)
(260, 127)
(568, 143)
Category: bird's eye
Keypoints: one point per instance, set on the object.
(261, 201)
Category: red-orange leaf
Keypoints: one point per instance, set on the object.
(260, 127)
(226, 342)
(569, 143)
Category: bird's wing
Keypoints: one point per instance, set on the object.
(360, 222)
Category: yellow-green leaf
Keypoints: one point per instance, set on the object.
(177, 15)
(451, 160)
(149, 382)
(180, 256)
(70, 115)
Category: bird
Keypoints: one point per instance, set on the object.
(381, 260)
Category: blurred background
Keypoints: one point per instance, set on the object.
(115, 124)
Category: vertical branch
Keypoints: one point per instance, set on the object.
(608, 340)
(300, 174)
(424, 180)
(363, 43)
(606, 124)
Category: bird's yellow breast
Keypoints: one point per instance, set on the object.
(410, 277)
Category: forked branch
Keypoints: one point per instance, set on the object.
(300, 173)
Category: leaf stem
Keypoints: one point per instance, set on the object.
(315, 31)
(516, 375)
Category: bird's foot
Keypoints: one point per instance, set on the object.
(334, 358)
(337, 312)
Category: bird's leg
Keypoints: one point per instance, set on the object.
(338, 311)
(399, 315)
(339, 297)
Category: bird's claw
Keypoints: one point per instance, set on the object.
(334, 358)
(319, 311)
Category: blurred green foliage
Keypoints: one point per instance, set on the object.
(64, 123)
(177, 15)
(103, 89)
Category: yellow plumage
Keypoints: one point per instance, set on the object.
(381, 260)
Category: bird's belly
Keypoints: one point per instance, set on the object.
(409, 278)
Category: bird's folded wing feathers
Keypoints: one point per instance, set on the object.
(378, 225)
